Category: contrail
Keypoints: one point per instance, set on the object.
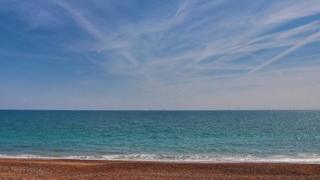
(82, 21)
(286, 52)
(184, 4)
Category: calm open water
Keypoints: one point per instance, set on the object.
(275, 136)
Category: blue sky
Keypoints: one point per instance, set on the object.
(168, 54)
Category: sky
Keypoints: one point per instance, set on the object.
(152, 54)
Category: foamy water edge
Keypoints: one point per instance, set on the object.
(300, 158)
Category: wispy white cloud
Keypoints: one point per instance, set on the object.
(286, 52)
(82, 21)
(288, 10)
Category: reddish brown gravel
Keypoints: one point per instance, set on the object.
(84, 169)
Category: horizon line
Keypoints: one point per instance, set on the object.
(282, 109)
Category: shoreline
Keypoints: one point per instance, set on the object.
(273, 160)
(114, 169)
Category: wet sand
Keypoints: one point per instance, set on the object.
(87, 169)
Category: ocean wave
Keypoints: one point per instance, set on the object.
(299, 158)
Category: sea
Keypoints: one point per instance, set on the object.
(180, 136)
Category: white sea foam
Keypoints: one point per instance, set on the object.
(299, 158)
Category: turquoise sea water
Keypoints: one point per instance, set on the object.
(277, 136)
